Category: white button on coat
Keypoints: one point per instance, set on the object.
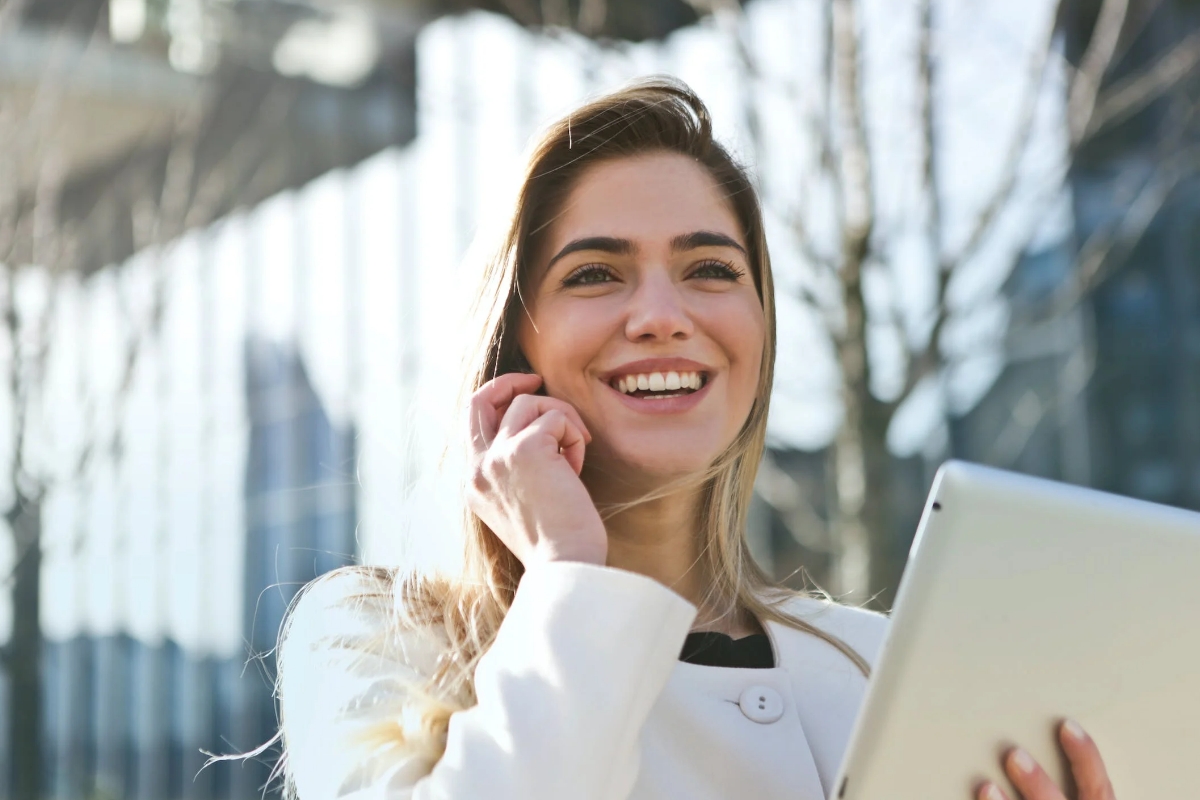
(761, 704)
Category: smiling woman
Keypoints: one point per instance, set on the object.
(609, 636)
(649, 285)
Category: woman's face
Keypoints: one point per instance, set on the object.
(643, 315)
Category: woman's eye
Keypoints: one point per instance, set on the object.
(717, 269)
(591, 274)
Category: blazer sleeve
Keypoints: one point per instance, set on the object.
(562, 694)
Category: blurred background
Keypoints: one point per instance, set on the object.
(235, 236)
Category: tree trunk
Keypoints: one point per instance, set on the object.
(880, 510)
(862, 473)
(24, 652)
(860, 461)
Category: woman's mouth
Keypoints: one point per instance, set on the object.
(659, 385)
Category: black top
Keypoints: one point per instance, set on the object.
(710, 649)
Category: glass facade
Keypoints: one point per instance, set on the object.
(130, 719)
(1140, 391)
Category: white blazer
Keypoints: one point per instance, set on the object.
(582, 697)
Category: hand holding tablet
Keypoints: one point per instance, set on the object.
(1025, 603)
(1087, 768)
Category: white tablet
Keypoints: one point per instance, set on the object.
(1026, 601)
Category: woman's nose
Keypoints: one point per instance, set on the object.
(658, 312)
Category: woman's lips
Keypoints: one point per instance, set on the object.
(663, 405)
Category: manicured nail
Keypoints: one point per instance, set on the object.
(1074, 730)
(992, 792)
(1022, 761)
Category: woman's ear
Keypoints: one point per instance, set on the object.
(522, 363)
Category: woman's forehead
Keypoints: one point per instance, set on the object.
(648, 199)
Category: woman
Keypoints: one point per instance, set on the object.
(609, 636)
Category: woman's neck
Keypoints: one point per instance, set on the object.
(661, 539)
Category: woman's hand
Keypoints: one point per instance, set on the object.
(1034, 784)
(526, 454)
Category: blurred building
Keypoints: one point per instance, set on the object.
(128, 718)
(194, 108)
(230, 486)
(1144, 399)
(1103, 383)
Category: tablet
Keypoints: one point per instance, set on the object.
(1026, 601)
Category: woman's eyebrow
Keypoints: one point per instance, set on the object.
(624, 247)
(606, 244)
(690, 241)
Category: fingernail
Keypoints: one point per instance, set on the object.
(1074, 730)
(992, 792)
(1022, 761)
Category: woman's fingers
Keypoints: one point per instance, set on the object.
(1086, 764)
(1087, 767)
(563, 430)
(489, 402)
(518, 487)
(1030, 779)
(990, 791)
(526, 408)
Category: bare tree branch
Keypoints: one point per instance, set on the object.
(926, 81)
(918, 367)
(222, 187)
(1001, 197)
(1032, 409)
(825, 126)
(928, 360)
(27, 348)
(855, 167)
(857, 204)
(823, 265)
(1102, 253)
(1081, 103)
(162, 218)
(859, 460)
(1111, 245)
(12, 330)
(1097, 58)
(175, 213)
(1134, 93)
(1136, 22)
(52, 83)
(10, 13)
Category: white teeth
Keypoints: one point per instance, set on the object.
(658, 382)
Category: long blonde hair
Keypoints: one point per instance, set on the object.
(658, 115)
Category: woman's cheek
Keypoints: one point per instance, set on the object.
(749, 366)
